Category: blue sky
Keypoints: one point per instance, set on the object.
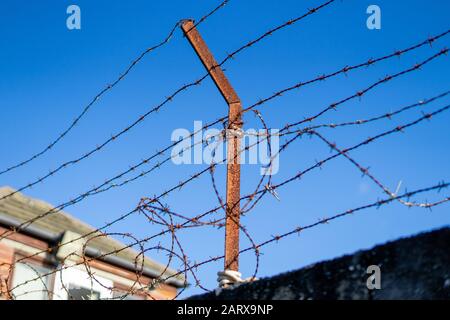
(49, 73)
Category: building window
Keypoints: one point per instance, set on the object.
(124, 295)
(72, 283)
(80, 293)
(30, 282)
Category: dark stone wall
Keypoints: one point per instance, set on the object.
(411, 268)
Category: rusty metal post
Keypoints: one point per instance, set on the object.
(233, 143)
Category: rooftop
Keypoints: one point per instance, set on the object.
(19, 208)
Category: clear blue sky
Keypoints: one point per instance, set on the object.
(49, 73)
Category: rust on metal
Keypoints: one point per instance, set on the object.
(233, 188)
(233, 193)
(209, 62)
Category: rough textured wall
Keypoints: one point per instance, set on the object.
(6, 259)
(411, 268)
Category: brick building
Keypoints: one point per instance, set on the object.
(61, 271)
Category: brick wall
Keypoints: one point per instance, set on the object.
(6, 259)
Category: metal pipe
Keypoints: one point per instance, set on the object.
(233, 210)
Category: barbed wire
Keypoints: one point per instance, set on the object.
(172, 222)
(365, 170)
(359, 94)
(276, 238)
(206, 170)
(299, 229)
(168, 99)
(191, 221)
(95, 190)
(109, 87)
